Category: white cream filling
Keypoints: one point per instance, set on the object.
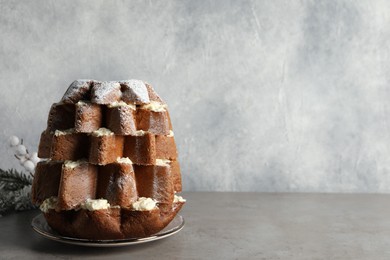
(177, 198)
(83, 102)
(97, 204)
(73, 164)
(102, 132)
(162, 162)
(155, 106)
(125, 160)
(140, 133)
(89, 204)
(144, 204)
(121, 104)
(64, 132)
(170, 133)
(47, 204)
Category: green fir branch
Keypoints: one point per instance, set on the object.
(15, 190)
(12, 180)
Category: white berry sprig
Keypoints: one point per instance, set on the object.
(27, 160)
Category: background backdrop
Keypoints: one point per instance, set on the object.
(263, 95)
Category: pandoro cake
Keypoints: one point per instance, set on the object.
(111, 168)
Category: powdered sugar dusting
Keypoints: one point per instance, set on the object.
(131, 91)
(77, 90)
(105, 92)
(134, 90)
(152, 94)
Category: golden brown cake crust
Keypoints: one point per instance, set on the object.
(45, 144)
(89, 117)
(77, 184)
(112, 166)
(112, 223)
(69, 147)
(117, 184)
(46, 181)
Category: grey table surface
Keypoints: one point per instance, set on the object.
(238, 226)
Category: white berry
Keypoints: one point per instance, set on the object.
(29, 166)
(22, 159)
(34, 158)
(21, 150)
(13, 141)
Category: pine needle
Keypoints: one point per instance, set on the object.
(15, 190)
(12, 180)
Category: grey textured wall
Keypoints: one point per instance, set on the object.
(264, 95)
